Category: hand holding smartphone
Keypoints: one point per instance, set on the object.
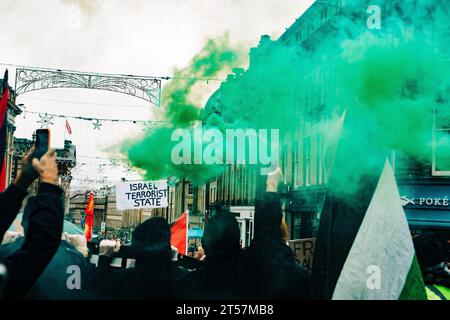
(29, 173)
(42, 143)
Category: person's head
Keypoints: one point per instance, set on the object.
(221, 237)
(268, 217)
(152, 238)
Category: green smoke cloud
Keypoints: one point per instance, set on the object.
(388, 80)
(182, 109)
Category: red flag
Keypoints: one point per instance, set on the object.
(68, 128)
(3, 130)
(179, 234)
(89, 223)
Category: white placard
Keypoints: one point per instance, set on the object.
(141, 194)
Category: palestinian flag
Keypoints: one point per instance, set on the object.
(89, 222)
(364, 248)
(382, 264)
(3, 130)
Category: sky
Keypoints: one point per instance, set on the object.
(138, 37)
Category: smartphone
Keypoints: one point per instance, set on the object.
(42, 143)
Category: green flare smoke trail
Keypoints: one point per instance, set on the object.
(182, 109)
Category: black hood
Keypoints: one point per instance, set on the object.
(268, 216)
(152, 239)
(221, 238)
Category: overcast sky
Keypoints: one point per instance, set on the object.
(139, 37)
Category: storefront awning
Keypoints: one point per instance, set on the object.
(428, 218)
(426, 205)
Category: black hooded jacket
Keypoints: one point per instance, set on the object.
(154, 273)
(219, 278)
(280, 276)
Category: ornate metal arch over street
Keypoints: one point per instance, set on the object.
(147, 88)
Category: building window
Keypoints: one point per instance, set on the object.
(296, 164)
(441, 143)
(307, 161)
(190, 207)
(191, 189)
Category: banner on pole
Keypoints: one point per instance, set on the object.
(141, 194)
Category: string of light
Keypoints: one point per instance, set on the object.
(47, 119)
(53, 115)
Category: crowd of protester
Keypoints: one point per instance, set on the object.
(39, 264)
(46, 263)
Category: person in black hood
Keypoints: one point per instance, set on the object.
(281, 277)
(218, 278)
(154, 273)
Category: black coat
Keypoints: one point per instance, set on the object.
(41, 240)
(52, 283)
(154, 274)
(280, 276)
(220, 276)
(151, 279)
(215, 280)
(265, 270)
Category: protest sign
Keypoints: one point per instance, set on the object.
(141, 194)
(303, 251)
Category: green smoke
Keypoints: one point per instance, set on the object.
(182, 109)
(388, 80)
